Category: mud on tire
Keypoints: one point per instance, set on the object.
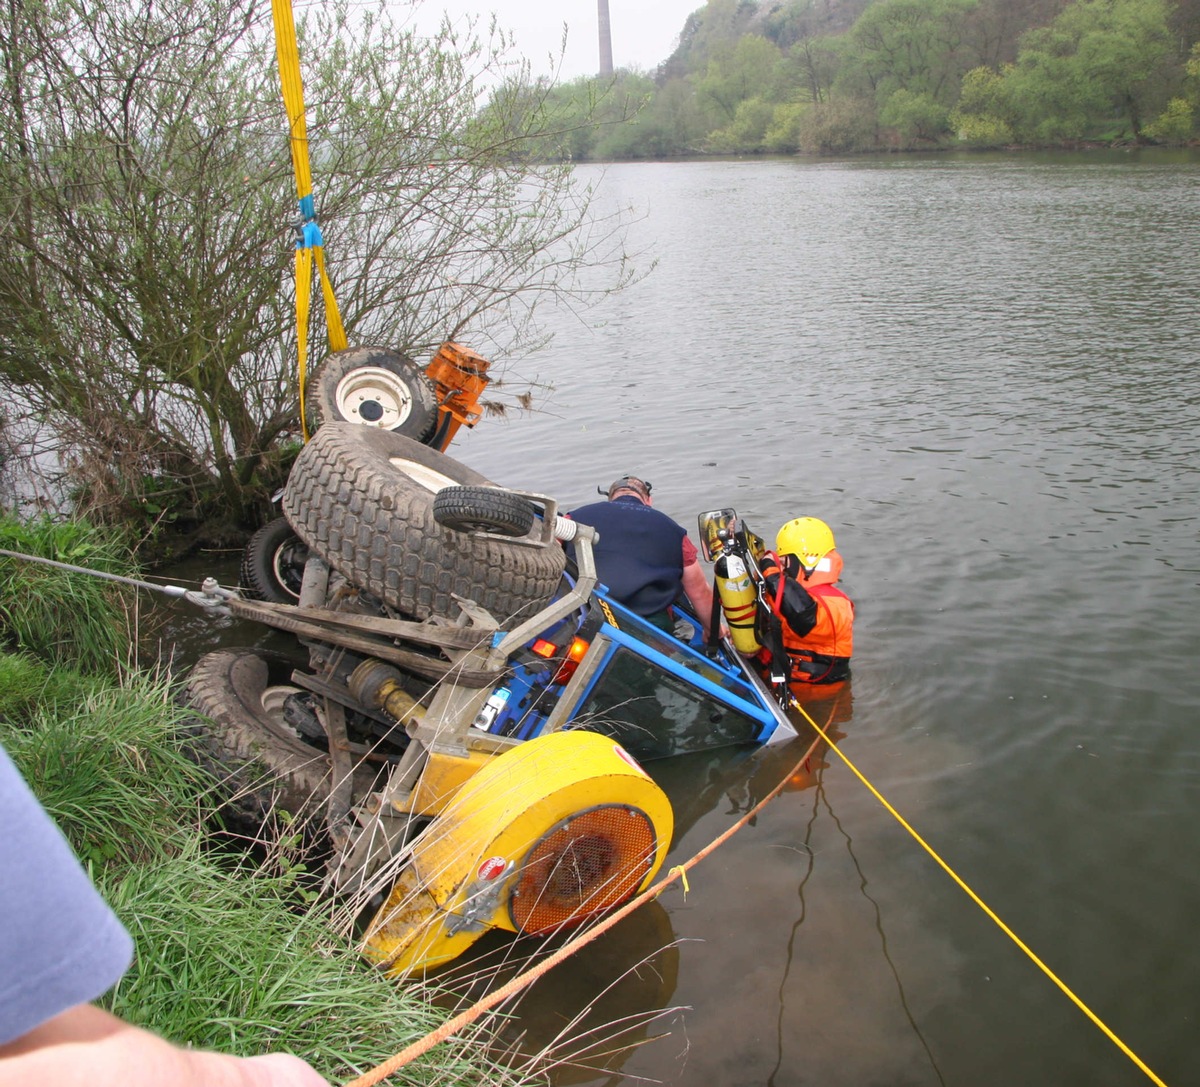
(242, 737)
(362, 499)
(374, 387)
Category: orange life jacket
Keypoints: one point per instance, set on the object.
(822, 655)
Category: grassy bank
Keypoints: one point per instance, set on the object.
(82, 622)
(229, 954)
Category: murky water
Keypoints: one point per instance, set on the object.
(984, 372)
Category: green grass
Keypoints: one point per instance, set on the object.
(60, 616)
(28, 687)
(105, 763)
(229, 955)
(226, 961)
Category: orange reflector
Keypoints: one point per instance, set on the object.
(544, 648)
(589, 862)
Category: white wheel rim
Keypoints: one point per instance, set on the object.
(281, 566)
(374, 397)
(273, 699)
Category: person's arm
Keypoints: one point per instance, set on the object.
(796, 605)
(700, 594)
(87, 1047)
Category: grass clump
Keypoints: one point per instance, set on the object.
(226, 961)
(104, 761)
(64, 617)
(29, 688)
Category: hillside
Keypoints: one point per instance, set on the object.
(844, 76)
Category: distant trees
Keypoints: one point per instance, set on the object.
(1100, 64)
(1101, 69)
(820, 76)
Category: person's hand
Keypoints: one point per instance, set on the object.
(87, 1047)
(281, 1070)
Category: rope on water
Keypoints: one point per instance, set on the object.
(980, 903)
(521, 981)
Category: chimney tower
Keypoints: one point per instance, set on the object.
(606, 61)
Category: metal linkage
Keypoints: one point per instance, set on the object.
(212, 597)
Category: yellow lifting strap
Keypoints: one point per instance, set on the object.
(309, 244)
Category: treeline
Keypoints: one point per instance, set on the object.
(823, 76)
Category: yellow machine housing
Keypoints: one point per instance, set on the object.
(546, 834)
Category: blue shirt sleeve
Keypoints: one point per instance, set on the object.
(60, 944)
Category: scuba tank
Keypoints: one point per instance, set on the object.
(739, 600)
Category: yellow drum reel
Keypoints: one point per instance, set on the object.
(548, 833)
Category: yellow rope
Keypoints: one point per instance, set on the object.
(309, 248)
(288, 53)
(303, 302)
(679, 872)
(980, 903)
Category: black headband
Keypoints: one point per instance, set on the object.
(634, 483)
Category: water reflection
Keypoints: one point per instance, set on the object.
(585, 1017)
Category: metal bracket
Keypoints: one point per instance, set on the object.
(481, 901)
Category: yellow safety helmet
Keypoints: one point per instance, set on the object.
(808, 538)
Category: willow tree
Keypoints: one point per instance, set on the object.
(147, 331)
(1101, 66)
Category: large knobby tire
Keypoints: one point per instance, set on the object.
(375, 387)
(362, 499)
(482, 509)
(273, 564)
(262, 762)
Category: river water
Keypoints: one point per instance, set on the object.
(984, 373)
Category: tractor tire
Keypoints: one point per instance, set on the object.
(262, 762)
(481, 509)
(362, 500)
(374, 387)
(273, 564)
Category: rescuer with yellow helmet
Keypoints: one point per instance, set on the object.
(810, 619)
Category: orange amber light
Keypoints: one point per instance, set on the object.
(575, 654)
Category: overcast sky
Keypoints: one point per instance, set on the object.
(644, 32)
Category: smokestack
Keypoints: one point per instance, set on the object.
(606, 63)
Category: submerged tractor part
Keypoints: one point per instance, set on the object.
(548, 833)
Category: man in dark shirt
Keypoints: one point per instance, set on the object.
(643, 557)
